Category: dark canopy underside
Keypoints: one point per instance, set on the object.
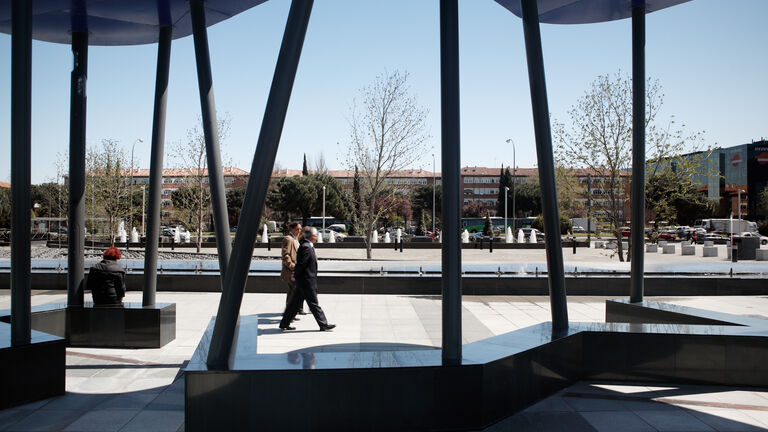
(587, 11)
(118, 22)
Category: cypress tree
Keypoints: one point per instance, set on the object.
(304, 170)
(488, 227)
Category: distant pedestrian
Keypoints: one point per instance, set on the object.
(305, 275)
(106, 280)
(289, 248)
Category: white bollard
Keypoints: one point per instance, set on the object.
(399, 235)
(508, 235)
(134, 235)
(375, 237)
(387, 238)
(332, 237)
(187, 237)
(532, 238)
(520, 236)
(465, 236)
(265, 236)
(177, 235)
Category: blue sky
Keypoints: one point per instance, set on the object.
(709, 55)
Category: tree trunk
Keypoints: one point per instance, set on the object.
(199, 230)
(619, 241)
(368, 234)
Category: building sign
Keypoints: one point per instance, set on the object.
(758, 177)
(736, 160)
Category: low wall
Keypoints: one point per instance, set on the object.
(430, 284)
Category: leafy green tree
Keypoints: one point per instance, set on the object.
(528, 199)
(190, 202)
(5, 208)
(234, 204)
(488, 227)
(303, 196)
(421, 228)
(505, 181)
(474, 209)
(421, 199)
(565, 224)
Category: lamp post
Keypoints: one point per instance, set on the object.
(323, 210)
(514, 181)
(506, 193)
(143, 210)
(589, 210)
(739, 205)
(130, 192)
(434, 185)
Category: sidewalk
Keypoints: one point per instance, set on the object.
(142, 390)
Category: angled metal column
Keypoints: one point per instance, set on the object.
(211, 132)
(156, 165)
(258, 182)
(451, 166)
(545, 158)
(21, 168)
(76, 229)
(638, 151)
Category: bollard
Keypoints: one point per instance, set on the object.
(173, 242)
(401, 245)
(481, 243)
(574, 245)
(420, 271)
(491, 245)
(395, 244)
(537, 272)
(734, 253)
(269, 245)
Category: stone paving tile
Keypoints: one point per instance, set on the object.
(725, 420)
(558, 422)
(126, 401)
(590, 404)
(102, 420)
(12, 415)
(610, 421)
(155, 421)
(49, 420)
(669, 421)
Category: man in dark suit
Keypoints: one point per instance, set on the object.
(305, 275)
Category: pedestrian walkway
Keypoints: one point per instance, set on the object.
(143, 390)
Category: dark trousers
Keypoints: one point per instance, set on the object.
(291, 290)
(305, 291)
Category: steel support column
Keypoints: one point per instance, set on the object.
(21, 166)
(546, 162)
(156, 165)
(451, 167)
(76, 221)
(638, 151)
(211, 132)
(258, 182)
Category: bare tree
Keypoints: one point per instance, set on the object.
(319, 164)
(107, 184)
(387, 134)
(193, 196)
(599, 139)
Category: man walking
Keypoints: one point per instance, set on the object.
(305, 275)
(289, 248)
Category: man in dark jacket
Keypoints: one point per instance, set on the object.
(305, 274)
(106, 280)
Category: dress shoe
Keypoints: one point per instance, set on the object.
(287, 328)
(296, 319)
(328, 327)
(301, 312)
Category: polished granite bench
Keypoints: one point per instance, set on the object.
(498, 376)
(129, 326)
(32, 371)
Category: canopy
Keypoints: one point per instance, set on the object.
(118, 22)
(587, 11)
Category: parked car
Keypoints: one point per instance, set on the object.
(578, 229)
(668, 235)
(326, 233)
(527, 233)
(339, 228)
(625, 231)
(763, 239)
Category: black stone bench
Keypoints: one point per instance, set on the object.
(129, 326)
(497, 377)
(32, 371)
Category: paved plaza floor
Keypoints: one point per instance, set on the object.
(143, 389)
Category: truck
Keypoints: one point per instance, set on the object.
(726, 226)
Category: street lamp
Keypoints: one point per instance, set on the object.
(514, 181)
(434, 186)
(506, 193)
(323, 209)
(130, 193)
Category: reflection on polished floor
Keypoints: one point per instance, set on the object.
(125, 389)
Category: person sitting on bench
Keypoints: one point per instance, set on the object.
(106, 280)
